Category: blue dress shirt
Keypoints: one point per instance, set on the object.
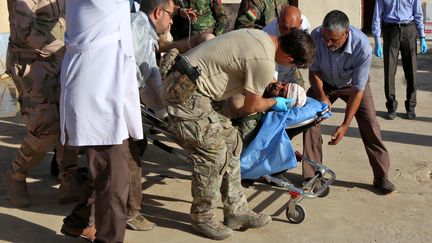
(348, 67)
(397, 11)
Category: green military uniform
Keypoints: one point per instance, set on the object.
(257, 13)
(211, 18)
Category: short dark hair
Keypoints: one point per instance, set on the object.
(299, 45)
(336, 20)
(148, 6)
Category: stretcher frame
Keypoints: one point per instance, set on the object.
(317, 186)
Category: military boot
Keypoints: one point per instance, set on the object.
(247, 220)
(212, 229)
(16, 187)
(70, 187)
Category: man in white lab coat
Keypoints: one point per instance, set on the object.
(99, 107)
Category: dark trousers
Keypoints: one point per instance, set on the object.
(369, 131)
(135, 186)
(403, 39)
(83, 214)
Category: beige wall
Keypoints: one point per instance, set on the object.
(4, 17)
(316, 10)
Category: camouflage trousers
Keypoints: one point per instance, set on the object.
(248, 127)
(214, 146)
(38, 85)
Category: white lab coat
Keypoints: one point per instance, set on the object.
(99, 102)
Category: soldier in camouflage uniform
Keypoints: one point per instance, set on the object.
(34, 57)
(213, 143)
(257, 13)
(211, 18)
(289, 17)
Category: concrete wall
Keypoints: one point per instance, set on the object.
(4, 17)
(315, 10)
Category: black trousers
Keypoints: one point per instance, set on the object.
(400, 38)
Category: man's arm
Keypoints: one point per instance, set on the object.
(317, 86)
(219, 16)
(247, 14)
(185, 44)
(186, 13)
(256, 103)
(353, 104)
(376, 27)
(418, 19)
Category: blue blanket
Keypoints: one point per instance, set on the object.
(271, 150)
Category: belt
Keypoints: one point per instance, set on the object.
(402, 24)
(98, 43)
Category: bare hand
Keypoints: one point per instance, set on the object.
(188, 13)
(327, 101)
(338, 135)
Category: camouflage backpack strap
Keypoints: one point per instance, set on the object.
(168, 62)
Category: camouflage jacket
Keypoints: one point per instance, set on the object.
(37, 27)
(257, 13)
(210, 13)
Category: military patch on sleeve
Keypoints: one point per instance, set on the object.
(251, 15)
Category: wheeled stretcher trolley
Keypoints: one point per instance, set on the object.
(294, 122)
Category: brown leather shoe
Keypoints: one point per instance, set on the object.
(383, 185)
(88, 233)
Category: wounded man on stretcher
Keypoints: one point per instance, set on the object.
(267, 145)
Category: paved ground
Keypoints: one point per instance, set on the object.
(353, 212)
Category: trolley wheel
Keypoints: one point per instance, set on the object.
(298, 216)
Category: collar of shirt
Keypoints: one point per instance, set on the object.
(151, 23)
(153, 33)
(348, 43)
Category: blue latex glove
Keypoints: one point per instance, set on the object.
(423, 46)
(378, 50)
(282, 104)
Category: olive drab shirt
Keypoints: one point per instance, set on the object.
(36, 28)
(257, 13)
(211, 18)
